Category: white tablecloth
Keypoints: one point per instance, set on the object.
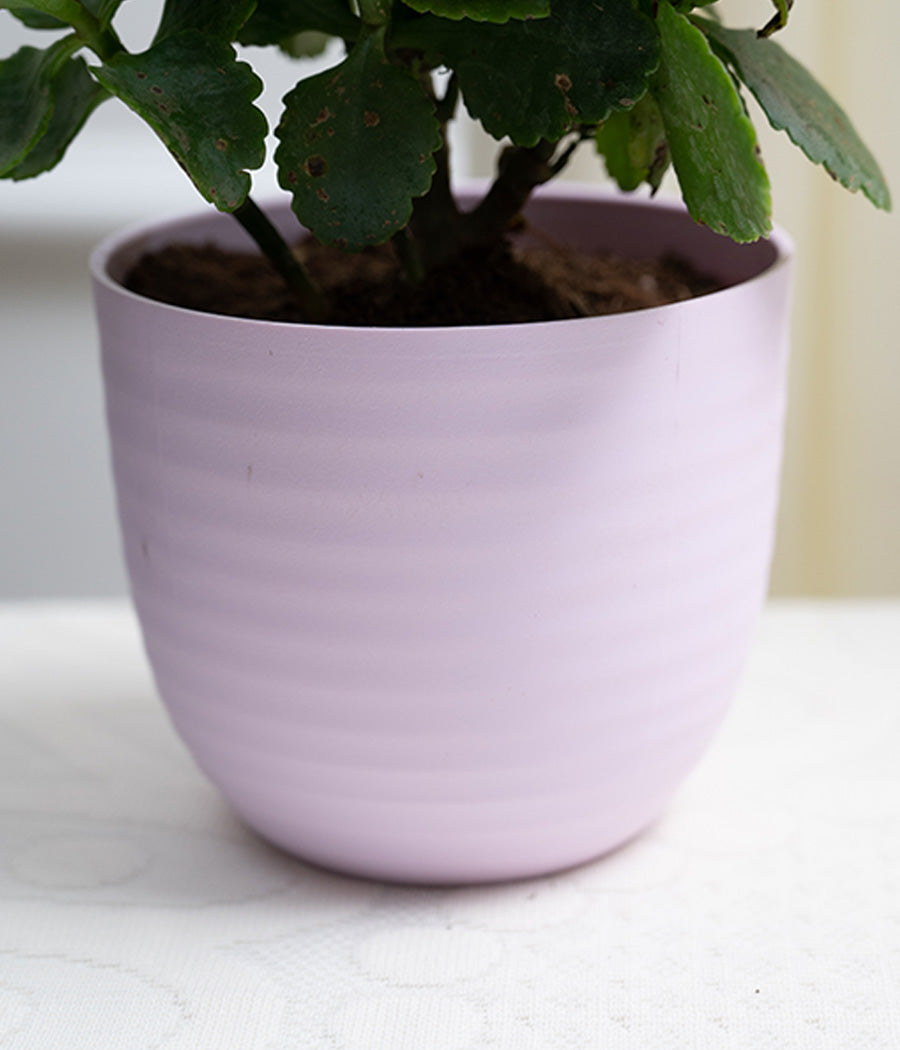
(763, 910)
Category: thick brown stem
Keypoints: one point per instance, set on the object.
(520, 171)
(438, 230)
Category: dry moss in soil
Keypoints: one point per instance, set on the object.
(513, 284)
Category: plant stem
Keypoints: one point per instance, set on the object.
(274, 248)
(103, 42)
(434, 229)
(435, 223)
(440, 233)
(407, 250)
(520, 171)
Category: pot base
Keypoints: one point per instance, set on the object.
(427, 862)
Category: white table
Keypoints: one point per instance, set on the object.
(763, 911)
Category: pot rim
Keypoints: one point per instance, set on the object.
(106, 251)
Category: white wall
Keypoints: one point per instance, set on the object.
(840, 527)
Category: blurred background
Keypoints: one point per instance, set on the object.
(839, 529)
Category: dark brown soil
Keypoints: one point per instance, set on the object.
(545, 281)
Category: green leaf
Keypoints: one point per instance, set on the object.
(26, 99)
(68, 12)
(102, 10)
(375, 13)
(75, 96)
(483, 10)
(35, 19)
(537, 79)
(796, 103)
(275, 21)
(217, 18)
(199, 100)
(58, 14)
(356, 145)
(612, 139)
(633, 145)
(711, 138)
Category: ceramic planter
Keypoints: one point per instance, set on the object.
(448, 605)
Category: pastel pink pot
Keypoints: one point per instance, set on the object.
(451, 605)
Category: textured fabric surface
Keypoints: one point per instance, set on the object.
(763, 911)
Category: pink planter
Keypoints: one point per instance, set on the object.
(451, 605)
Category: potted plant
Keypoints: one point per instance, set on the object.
(445, 602)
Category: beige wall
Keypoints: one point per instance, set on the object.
(840, 523)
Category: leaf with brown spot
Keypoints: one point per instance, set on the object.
(537, 79)
(198, 98)
(357, 133)
(315, 166)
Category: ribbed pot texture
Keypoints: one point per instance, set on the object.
(451, 605)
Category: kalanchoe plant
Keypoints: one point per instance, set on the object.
(363, 146)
